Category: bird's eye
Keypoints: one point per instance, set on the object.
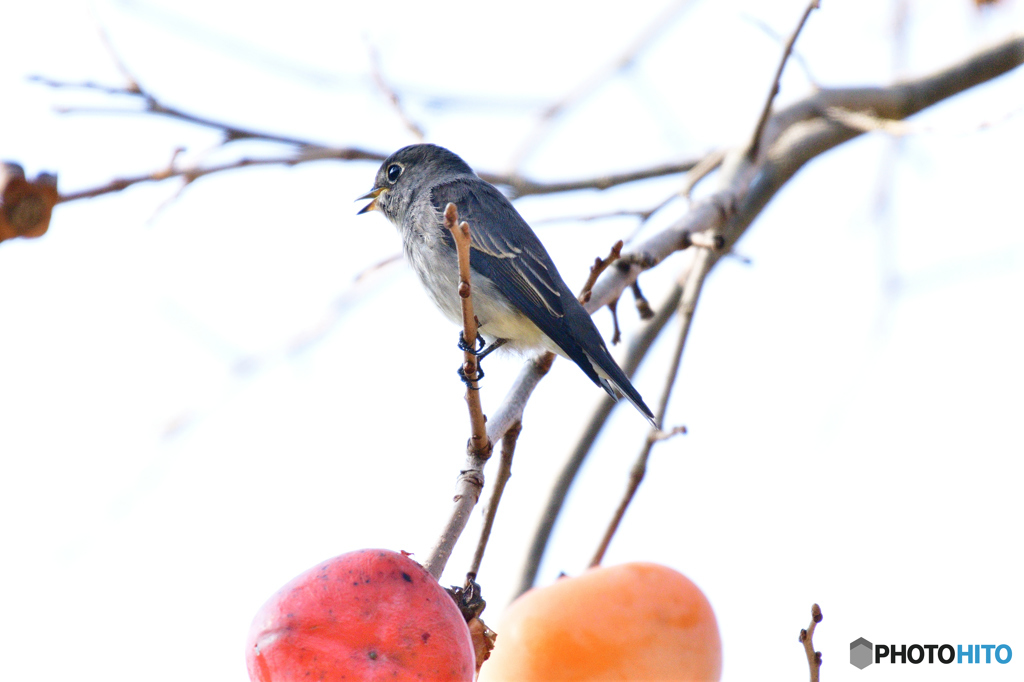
(394, 170)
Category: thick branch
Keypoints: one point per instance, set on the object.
(796, 135)
(793, 136)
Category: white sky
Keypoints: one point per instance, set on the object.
(853, 396)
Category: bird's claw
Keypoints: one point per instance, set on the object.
(469, 382)
(464, 346)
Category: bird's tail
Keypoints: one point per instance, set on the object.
(614, 380)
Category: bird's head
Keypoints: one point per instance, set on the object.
(408, 172)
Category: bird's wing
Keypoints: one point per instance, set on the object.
(506, 251)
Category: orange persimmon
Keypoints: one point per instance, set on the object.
(637, 621)
(373, 614)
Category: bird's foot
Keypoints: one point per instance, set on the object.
(470, 382)
(464, 346)
(480, 352)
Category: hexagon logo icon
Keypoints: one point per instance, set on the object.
(860, 653)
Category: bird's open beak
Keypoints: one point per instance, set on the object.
(372, 194)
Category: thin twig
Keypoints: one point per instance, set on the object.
(695, 172)
(519, 186)
(478, 445)
(807, 639)
(605, 73)
(478, 449)
(795, 56)
(590, 217)
(687, 305)
(379, 265)
(643, 306)
(706, 216)
(636, 477)
(309, 150)
(755, 141)
(703, 168)
(191, 174)
(613, 308)
(151, 105)
(599, 266)
(638, 349)
(129, 77)
(501, 476)
(390, 94)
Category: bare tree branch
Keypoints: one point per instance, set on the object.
(599, 266)
(190, 174)
(308, 151)
(508, 449)
(129, 77)
(151, 105)
(519, 186)
(892, 103)
(807, 639)
(791, 137)
(638, 349)
(795, 135)
(479, 445)
(511, 409)
(774, 35)
(755, 139)
(391, 95)
(696, 172)
(704, 167)
(687, 305)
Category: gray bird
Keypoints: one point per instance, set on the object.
(518, 295)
